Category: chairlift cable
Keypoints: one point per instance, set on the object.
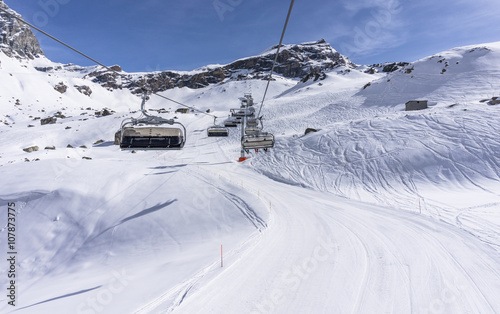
(276, 57)
(97, 62)
(262, 140)
(52, 37)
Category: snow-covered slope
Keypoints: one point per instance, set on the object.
(443, 161)
(458, 76)
(379, 211)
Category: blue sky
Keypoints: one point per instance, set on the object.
(150, 35)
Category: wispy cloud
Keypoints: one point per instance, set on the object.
(355, 6)
(378, 25)
(454, 22)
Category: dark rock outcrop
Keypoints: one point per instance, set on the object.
(314, 76)
(494, 101)
(310, 60)
(104, 112)
(386, 67)
(17, 39)
(31, 149)
(309, 130)
(84, 89)
(49, 120)
(61, 88)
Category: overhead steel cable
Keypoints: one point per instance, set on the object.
(276, 57)
(99, 63)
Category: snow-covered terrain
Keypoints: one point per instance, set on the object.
(381, 210)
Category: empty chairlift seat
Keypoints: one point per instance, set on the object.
(218, 131)
(251, 129)
(152, 137)
(252, 126)
(243, 112)
(150, 132)
(258, 140)
(232, 122)
(252, 122)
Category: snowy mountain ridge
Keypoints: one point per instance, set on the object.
(473, 69)
(294, 61)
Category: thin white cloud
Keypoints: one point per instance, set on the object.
(378, 26)
(355, 6)
(456, 21)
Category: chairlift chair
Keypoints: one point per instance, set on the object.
(232, 122)
(251, 129)
(252, 122)
(257, 140)
(249, 99)
(148, 132)
(217, 130)
(243, 112)
(254, 137)
(246, 101)
(252, 126)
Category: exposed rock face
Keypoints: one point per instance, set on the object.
(49, 120)
(294, 61)
(17, 39)
(104, 112)
(61, 88)
(314, 76)
(31, 149)
(386, 67)
(84, 89)
(493, 101)
(309, 130)
(106, 78)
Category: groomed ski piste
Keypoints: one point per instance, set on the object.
(380, 211)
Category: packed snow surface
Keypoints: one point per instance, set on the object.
(379, 211)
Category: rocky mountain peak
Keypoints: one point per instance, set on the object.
(297, 61)
(17, 39)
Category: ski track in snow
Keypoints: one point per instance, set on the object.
(386, 261)
(372, 259)
(375, 167)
